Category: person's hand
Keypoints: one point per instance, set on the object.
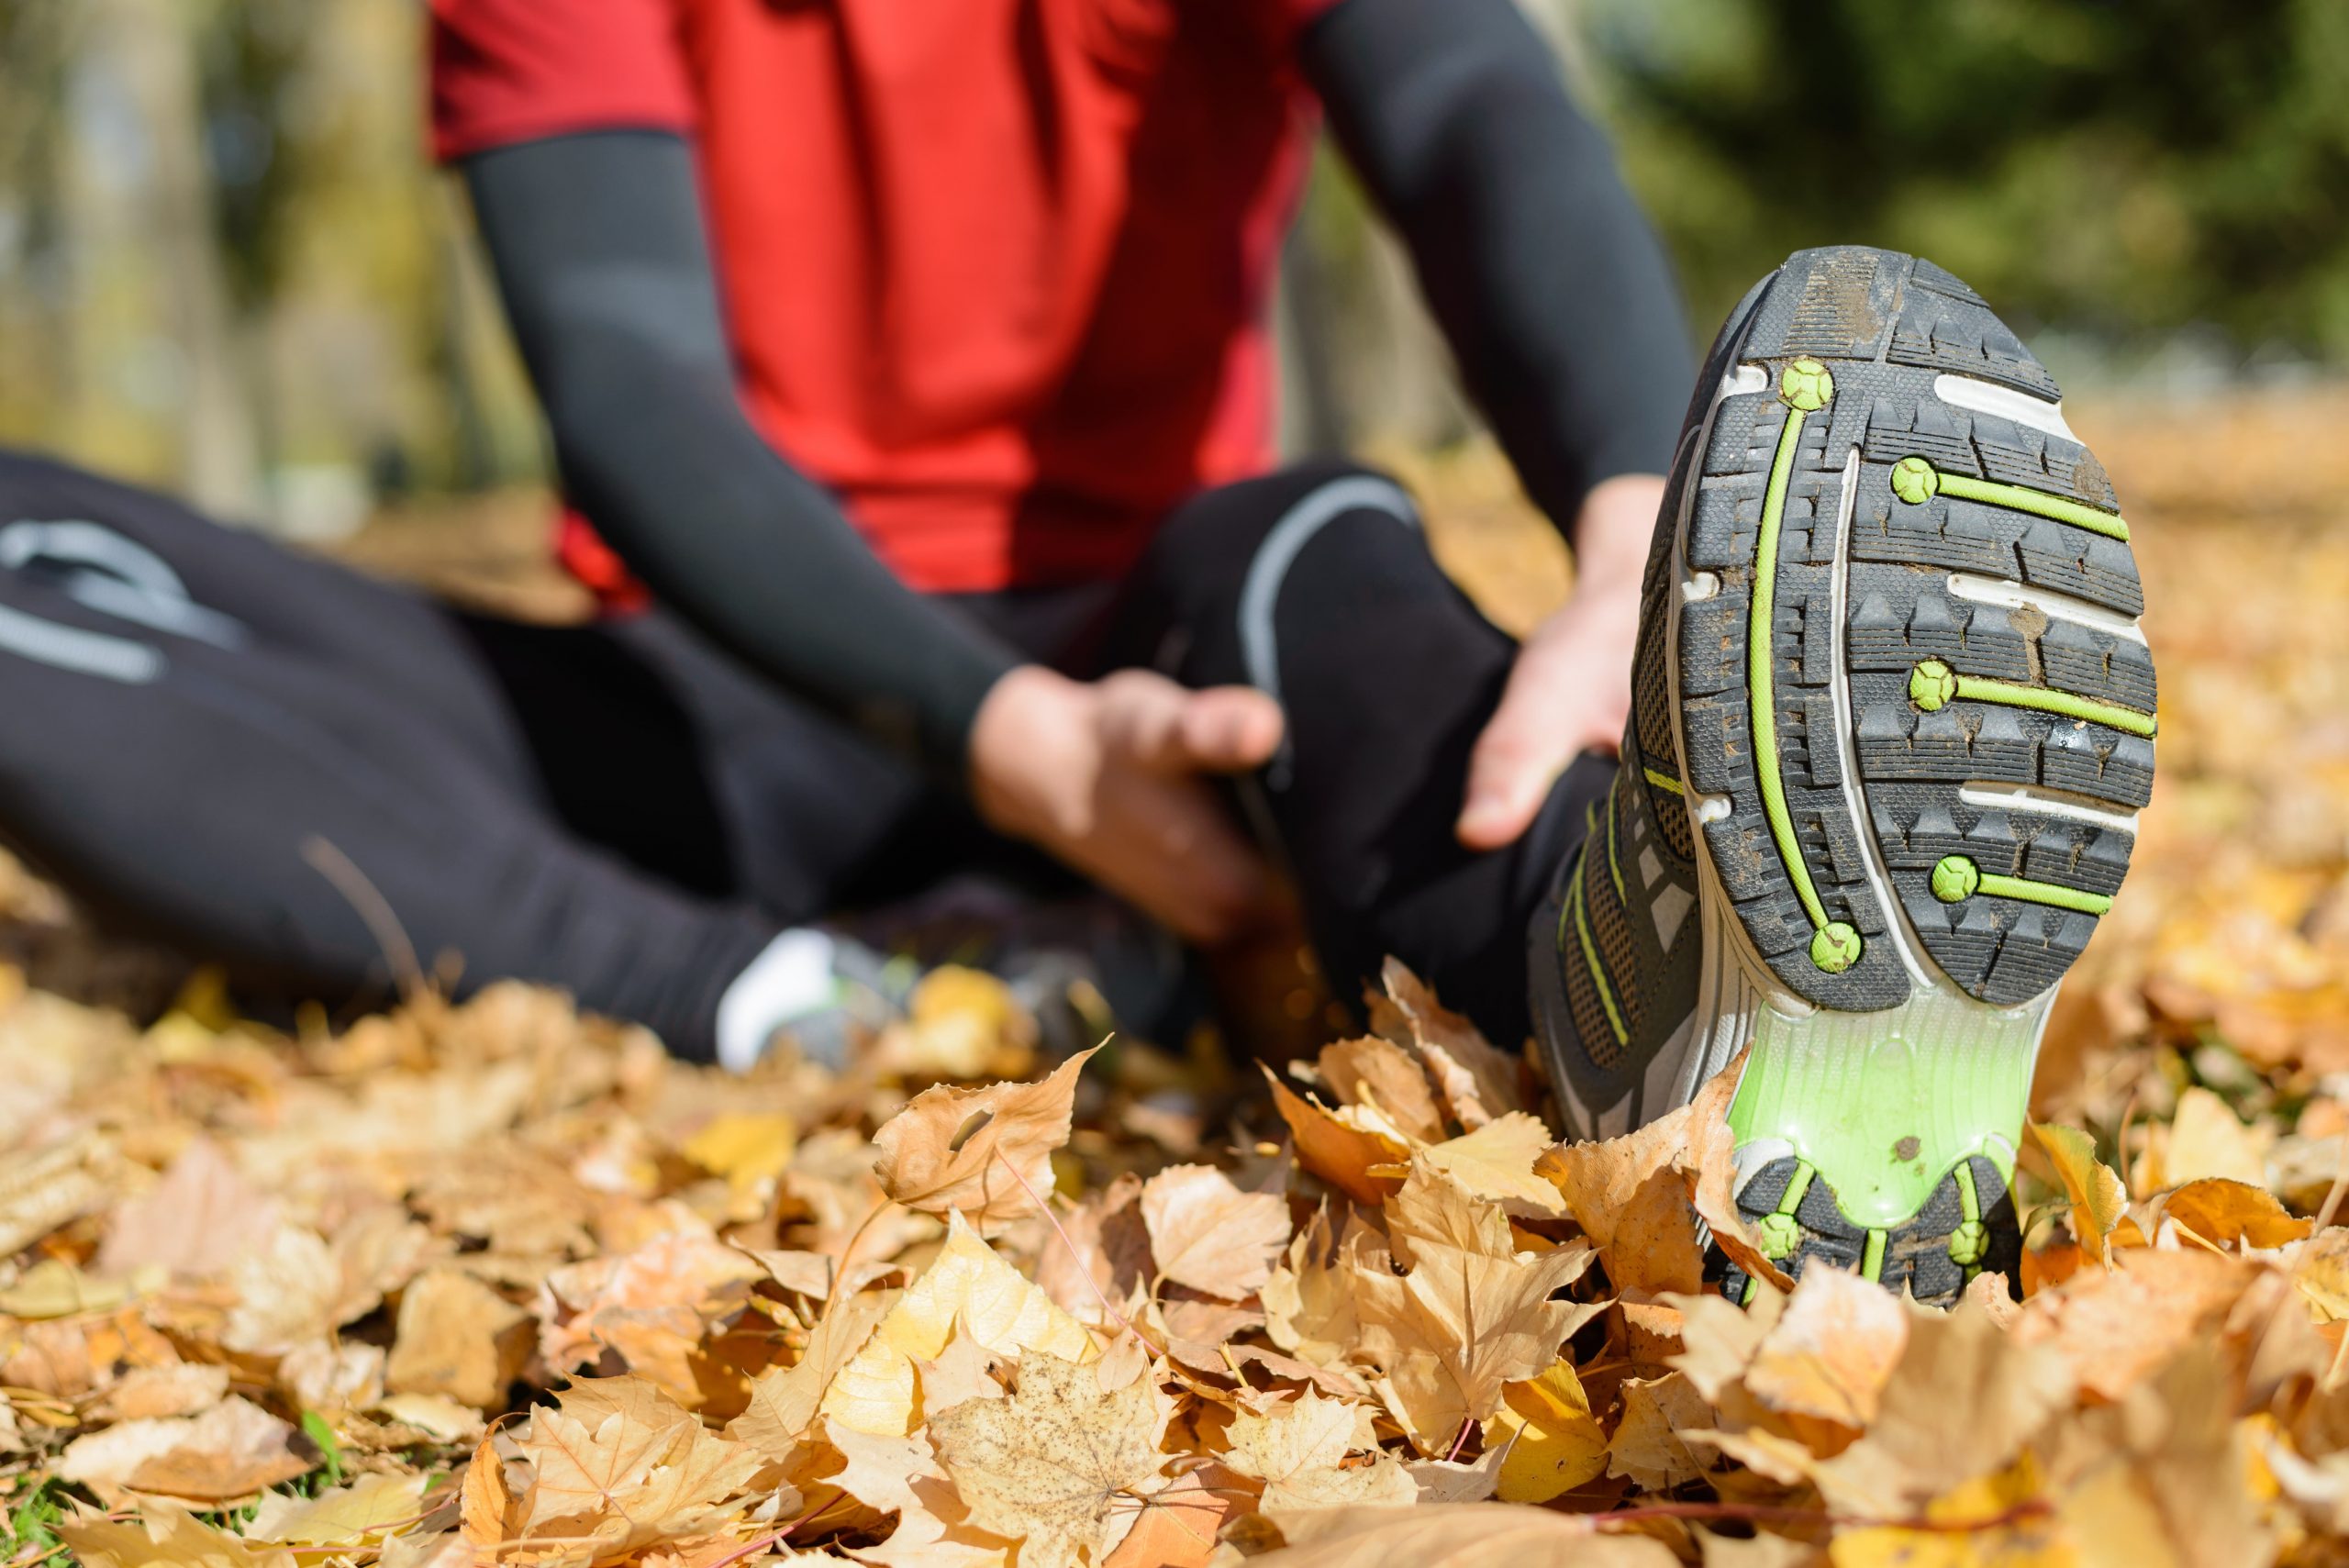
(1106, 775)
(1569, 692)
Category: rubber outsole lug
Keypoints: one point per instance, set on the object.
(1915, 1258)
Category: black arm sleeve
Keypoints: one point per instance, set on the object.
(600, 254)
(1551, 288)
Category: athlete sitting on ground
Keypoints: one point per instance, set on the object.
(915, 368)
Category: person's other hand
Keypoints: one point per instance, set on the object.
(1106, 775)
(1570, 690)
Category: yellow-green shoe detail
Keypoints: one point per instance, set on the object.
(1806, 387)
(1970, 1242)
(1956, 878)
(1664, 782)
(1915, 480)
(1575, 911)
(1932, 685)
(1835, 947)
(1872, 1261)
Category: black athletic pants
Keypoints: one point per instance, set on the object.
(187, 712)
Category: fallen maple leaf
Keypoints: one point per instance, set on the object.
(1056, 1465)
(1496, 1162)
(165, 1537)
(1299, 1449)
(970, 1151)
(967, 1287)
(233, 1450)
(199, 1220)
(1460, 1326)
(459, 1339)
(1647, 1447)
(616, 1466)
(1961, 1373)
(1208, 1234)
(1640, 1197)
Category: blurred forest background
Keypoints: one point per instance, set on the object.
(226, 268)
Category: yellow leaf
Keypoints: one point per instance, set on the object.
(2033, 1542)
(1554, 1443)
(2096, 1193)
(878, 1392)
(743, 1146)
(1496, 1162)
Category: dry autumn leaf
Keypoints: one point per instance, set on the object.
(1299, 1449)
(985, 1153)
(616, 1465)
(1061, 1466)
(967, 1289)
(1208, 1234)
(2097, 1199)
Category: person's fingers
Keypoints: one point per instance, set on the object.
(1229, 729)
(1141, 718)
(1510, 770)
(1168, 728)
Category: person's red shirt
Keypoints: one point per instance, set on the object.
(996, 270)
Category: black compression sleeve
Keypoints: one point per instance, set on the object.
(1549, 284)
(599, 250)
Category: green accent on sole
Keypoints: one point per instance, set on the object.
(1779, 1235)
(1884, 1104)
(2054, 895)
(1872, 1262)
(1932, 685)
(1751, 1286)
(1835, 947)
(1915, 480)
(1590, 957)
(1956, 877)
(1915, 483)
(1970, 1242)
(1663, 781)
(1796, 1185)
(1806, 387)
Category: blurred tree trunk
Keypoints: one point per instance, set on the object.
(148, 46)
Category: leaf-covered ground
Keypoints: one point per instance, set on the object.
(498, 1284)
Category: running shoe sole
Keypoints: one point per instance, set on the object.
(1914, 715)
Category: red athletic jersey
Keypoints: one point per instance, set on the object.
(996, 270)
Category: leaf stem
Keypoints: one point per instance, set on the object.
(1766, 1513)
(840, 1269)
(1054, 1220)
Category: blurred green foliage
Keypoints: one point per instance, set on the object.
(2122, 169)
